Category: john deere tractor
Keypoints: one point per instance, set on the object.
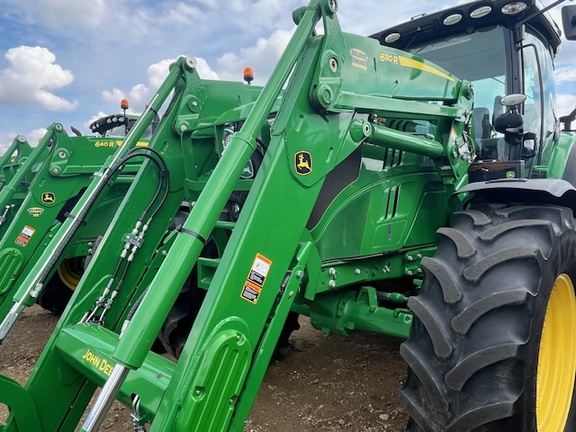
(415, 183)
(493, 342)
(15, 155)
(42, 184)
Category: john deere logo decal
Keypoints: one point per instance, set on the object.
(303, 162)
(48, 197)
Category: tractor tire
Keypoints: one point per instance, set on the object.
(493, 342)
(176, 328)
(59, 288)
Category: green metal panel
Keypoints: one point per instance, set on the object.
(210, 403)
(558, 155)
(11, 261)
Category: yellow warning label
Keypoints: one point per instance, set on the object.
(256, 278)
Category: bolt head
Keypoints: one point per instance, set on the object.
(333, 6)
(333, 64)
(191, 62)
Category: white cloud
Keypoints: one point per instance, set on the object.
(261, 57)
(565, 104)
(141, 94)
(5, 140)
(33, 137)
(31, 77)
(565, 74)
(114, 95)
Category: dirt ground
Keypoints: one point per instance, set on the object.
(326, 384)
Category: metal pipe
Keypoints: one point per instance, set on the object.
(391, 138)
(98, 412)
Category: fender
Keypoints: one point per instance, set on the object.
(529, 191)
(570, 171)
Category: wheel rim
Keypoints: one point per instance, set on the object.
(68, 273)
(557, 358)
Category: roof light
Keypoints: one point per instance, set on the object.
(512, 99)
(124, 104)
(392, 37)
(480, 12)
(248, 75)
(513, 8)
(452, 19)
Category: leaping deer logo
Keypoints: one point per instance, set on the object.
(48, 197)
(303, 162)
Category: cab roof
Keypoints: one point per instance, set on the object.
(437, 25)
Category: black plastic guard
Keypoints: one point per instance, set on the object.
(521, 191)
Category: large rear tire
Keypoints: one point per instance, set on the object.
(493, 344)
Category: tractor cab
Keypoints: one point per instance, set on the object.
(115, 125)
(505, 49)
(118, 125)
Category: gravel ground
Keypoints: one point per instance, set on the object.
(326, 384)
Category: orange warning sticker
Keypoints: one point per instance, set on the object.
(256, 278)
(25, 236)
(251, 292)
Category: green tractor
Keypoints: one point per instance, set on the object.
(18, 151)
(494, 335)
(415, 183)
(119, 125)
(44, 184)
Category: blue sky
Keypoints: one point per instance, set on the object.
(70, 61)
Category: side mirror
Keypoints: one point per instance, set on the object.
(511, 121)
(569, 21)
